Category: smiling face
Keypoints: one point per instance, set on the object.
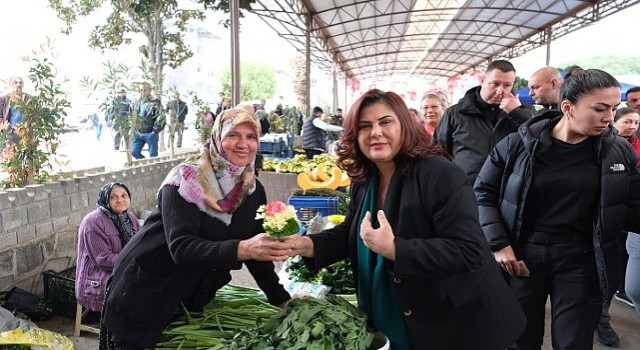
(379, 133)
(241, 144)
(593, 112)
(431, 110)
(627, 125)
(119, 200)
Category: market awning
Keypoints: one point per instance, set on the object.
(430, 39)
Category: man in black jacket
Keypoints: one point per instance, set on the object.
(149, 123)
(483, 116)
(177, 110)
(544, 88)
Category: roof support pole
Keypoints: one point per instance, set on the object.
(307, 65)
(234, 11)
(346, 93)
(335, 90)
(548, 33)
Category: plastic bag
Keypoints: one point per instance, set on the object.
(36, 339)
(301, 289)
(18, 300)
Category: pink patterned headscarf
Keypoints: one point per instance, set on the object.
(211, 182)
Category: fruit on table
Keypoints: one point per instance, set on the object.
(307, 180)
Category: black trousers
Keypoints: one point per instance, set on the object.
(567, 273)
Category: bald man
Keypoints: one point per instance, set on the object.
(544, 88)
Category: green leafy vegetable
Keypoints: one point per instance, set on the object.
(329, 323)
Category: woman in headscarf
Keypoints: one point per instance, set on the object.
(101, 236)
(203, 227)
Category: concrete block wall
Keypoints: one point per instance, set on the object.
(39, 223)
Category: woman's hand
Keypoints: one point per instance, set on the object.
(299, 245)
(264, 248)
(507, 260)
(379, 240)
(284, 303)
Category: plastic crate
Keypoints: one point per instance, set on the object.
(275, 147)
(60, 291)
(309, 206)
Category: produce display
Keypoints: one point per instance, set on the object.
(233, 309)
(321, 172)
(241, 318)
(313, 324)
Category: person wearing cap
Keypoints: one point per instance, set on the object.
(122, 122)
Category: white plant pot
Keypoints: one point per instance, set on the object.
(380, 342)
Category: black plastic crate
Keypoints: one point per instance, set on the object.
(60, 291)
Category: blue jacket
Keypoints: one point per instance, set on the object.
(506, 176)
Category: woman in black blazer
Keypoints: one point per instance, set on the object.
(425, 276)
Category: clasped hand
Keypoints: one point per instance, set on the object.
(379, 240)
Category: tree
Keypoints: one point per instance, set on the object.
(26, 160)
(299, 71)
(258, 81)
(115, 76)
(160, 21)
(615, 65)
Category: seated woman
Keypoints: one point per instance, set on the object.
(102, 234)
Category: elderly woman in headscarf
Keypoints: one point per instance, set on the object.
(102, 234)
(203, 227)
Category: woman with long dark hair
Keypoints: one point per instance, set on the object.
(424, 273)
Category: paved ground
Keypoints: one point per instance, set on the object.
(623, 319)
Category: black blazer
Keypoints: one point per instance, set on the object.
(447, 282)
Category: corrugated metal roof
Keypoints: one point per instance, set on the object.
(431, 39)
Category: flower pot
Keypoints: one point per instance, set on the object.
(380, 342)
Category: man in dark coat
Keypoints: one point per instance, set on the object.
(486, 114)
(149, 123)
(178, 111)
(544, 88)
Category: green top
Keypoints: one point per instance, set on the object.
(376, 292)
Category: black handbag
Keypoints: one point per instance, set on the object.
(18, 300)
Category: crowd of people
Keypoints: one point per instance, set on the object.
(464, 219)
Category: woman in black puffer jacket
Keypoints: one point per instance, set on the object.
(553, 199)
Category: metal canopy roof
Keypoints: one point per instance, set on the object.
(431, 39)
